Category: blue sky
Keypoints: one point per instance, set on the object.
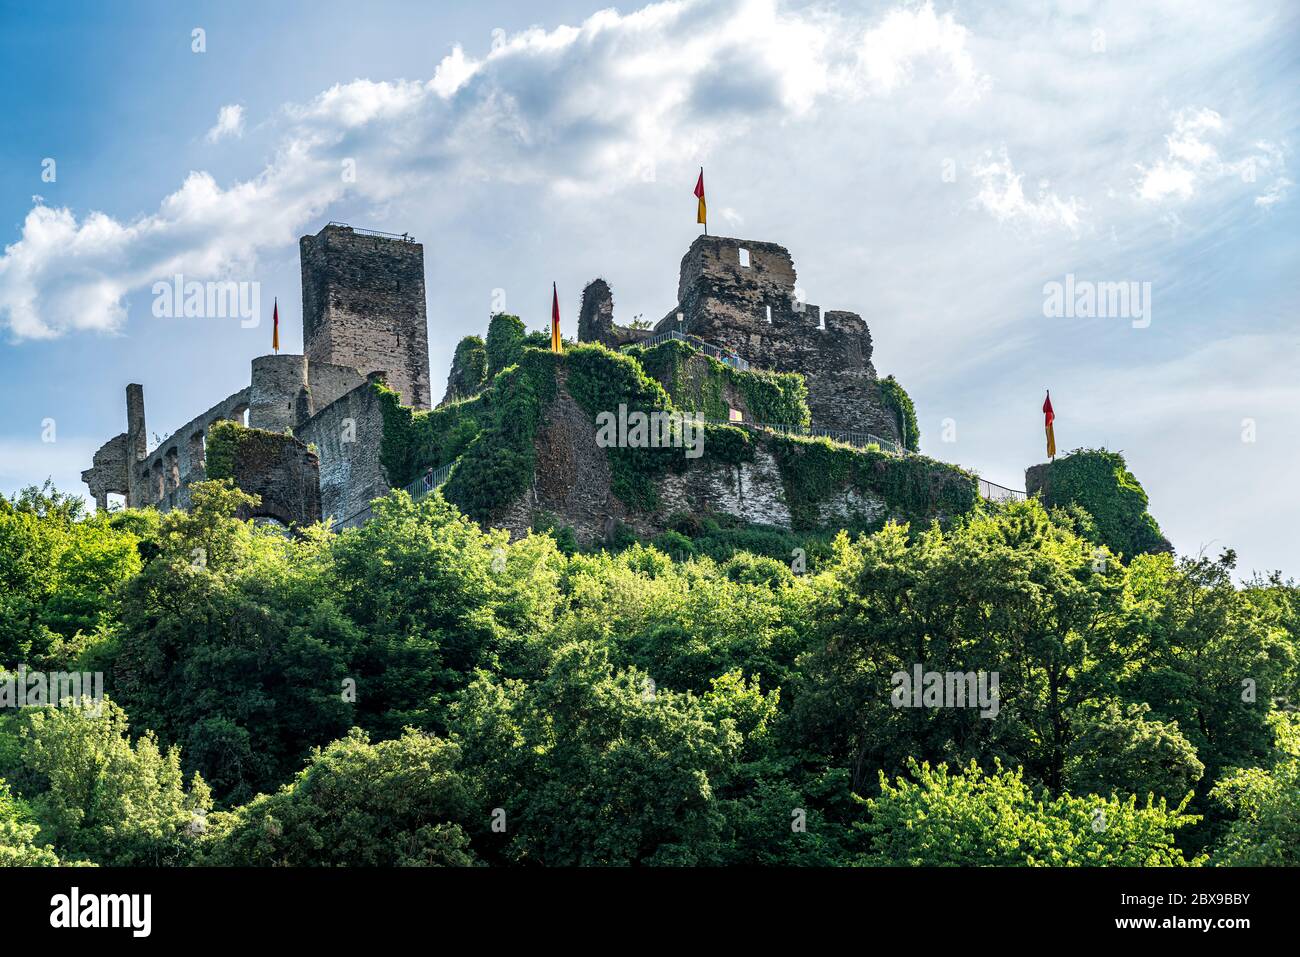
(930, 166)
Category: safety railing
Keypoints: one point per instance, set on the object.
(404, 237)
(722, 355)
(418, 489)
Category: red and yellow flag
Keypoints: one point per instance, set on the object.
(555, 320)
(275, 326)
(1048, 418)
(700, 216)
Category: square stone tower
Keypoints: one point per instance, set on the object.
(363, 306)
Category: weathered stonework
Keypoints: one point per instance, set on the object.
(282, 472)
(572, 484)
(363, 307)
(596, 318)
(364, 317)
(753, 311)
(347, 435)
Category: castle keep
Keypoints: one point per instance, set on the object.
(313, 446)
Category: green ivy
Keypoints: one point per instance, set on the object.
(220, 450)
(468, 368)
(698, 384)
(600, 380)
(1099, 481)
(497, 466)
(900, 404)
(415, 440)
(505, 342)
(915, 488)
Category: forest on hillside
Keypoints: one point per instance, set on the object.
(420, 691)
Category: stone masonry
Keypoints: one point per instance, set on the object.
(740, 294)
(363, 307)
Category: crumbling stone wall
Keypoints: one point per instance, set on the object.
(160, 478)
(347, 435)
(282, 471)
(363, 307)
(753, 310)
(596, 318)
(572, 485)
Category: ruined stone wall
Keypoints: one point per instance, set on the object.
(596, 318)
(328, 383)
(363, 307)
(282, 471)
(753, 310)
(165, 473)
(159, 478)
(572, 485)
(347, 435)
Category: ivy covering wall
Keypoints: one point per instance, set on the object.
(900, 405)
(493, 435)
(914, 487)
(1099, 481)
(698, 384)
(229, 441)
(415, 440)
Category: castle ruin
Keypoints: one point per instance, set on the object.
(364, 320)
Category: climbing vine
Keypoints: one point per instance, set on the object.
(900, 404)
(498, 463)
(698, 384)
(1099, 481)
(915, 488)
(415, 440)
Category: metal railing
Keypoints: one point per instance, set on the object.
(722, 355)
(422, 486)
(999, 493)
(404, 237)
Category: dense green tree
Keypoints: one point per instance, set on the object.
(230, 646)
(591, 765)
(105, 798)
(60, 573)
(1265, 806)
(970, 818)
(505, 342)
(357, 804)
(1121, 749)
(19, 833)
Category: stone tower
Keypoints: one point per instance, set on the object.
(363, 306)
(740, 294)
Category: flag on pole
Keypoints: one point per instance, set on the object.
(1048, 418)
(700, 216)
(555, 320)
(275, 326)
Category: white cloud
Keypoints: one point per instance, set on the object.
(890, 51)
(1192, 161)
(230, 122)
(574, 109)
(1002, 195)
